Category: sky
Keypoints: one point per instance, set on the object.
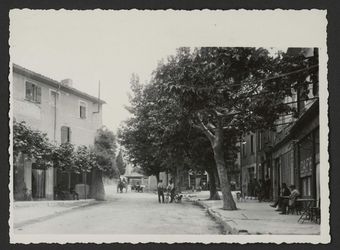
(108, 46)
(89, 49)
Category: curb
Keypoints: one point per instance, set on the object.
(50, 216)
(227, 229)
(50, 203)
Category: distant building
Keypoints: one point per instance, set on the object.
(65, 114)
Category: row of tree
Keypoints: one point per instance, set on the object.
(201, 101)
(99, 159)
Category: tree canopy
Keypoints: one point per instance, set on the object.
(222, 92)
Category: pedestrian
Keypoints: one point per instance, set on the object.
(267, 184)
(160, 190)
(285, 192)
(171, 189)
(292, 198)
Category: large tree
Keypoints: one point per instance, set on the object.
(230, 91)
(139, 135)
(153, 136)
(104, 150)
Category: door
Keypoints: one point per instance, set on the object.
(38, 183)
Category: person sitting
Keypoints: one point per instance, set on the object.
(292, 198)
(285, 192)
(74, 194)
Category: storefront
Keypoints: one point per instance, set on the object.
(309, 165)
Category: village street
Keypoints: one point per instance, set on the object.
(128, 213)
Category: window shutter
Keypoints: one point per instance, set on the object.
(68, 134)
(28, 90)
(38, 94)
(63, 134)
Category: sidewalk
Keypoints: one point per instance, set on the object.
(253, 217)
(27, 212)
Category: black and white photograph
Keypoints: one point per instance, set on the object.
(168, 126)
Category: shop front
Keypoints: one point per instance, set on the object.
(309, 165)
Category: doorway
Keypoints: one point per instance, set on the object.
(38, 183)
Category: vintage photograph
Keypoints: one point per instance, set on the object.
(168, 126)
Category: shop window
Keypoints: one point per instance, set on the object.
(306, 186)
(33, 92)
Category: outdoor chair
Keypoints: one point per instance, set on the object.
(295, 207)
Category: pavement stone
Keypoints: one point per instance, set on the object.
(253, 217)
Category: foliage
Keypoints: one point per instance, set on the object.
(64, 158)
(223, 92)
(33, 143)
(138, 134)
(105, 150)
(85, 159)
(121, 165)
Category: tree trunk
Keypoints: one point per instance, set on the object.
(157, 177)
(178, 180)
(217, 145)
(212, 185)
(97, 187)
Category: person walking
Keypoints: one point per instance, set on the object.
(160, 190)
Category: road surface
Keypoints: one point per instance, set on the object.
(128, 213)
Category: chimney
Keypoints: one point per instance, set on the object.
(67, 82)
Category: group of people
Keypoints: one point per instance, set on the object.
(169, 191)
(260, 189)
(286, 199)
(122, 184)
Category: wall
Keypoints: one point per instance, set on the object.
(49, 119)
(42, 117)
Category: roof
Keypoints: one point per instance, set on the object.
(41, 78)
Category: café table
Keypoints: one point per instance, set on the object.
(307, 203)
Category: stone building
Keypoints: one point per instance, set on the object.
(65, 114)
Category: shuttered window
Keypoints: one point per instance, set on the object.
(65, 134)
(82, 110)
(33, 92)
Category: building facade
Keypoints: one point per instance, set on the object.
(290, 153)
(65, 114)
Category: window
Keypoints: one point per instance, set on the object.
(82, 110)
(54, 95)
(33, 92)
(252, 144)
(244, 149)
(65, 134)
